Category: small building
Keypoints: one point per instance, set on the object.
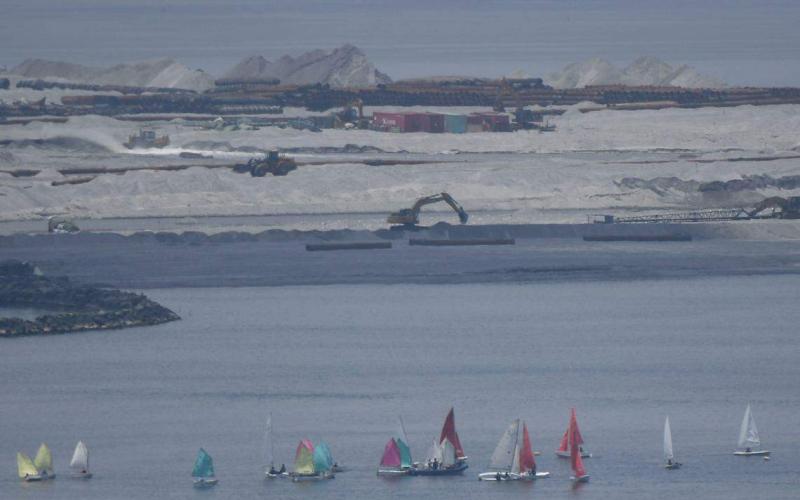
(408, 122)
(455, 124)
(488, 122)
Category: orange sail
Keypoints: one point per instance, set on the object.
(575, 449)
(449, 433)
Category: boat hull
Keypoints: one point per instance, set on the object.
(205, 482)
(30, 479)
(393, 472)
(494, 476)
(580, 479)
(280, 475)
(759, 453)
(674, 466)
(452, 471)
(81, 475)
(566, 454)
(302, 478)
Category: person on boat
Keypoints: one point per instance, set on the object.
(533, 471)
(435, 465)
(283, 469)
(747, 450)
(506, 475)
(497, 477)
(669, 461)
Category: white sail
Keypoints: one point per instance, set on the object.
(435, 452)
(668, 455)
(503, 456)
(401, 430)
(748, 433)
(515, 462)
(80, 458)
(448, 453)
(269, 456)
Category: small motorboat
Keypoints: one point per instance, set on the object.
(203, 471)
(749, 442)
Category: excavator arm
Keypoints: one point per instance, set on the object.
(410, 216)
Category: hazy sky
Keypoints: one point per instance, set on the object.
(742, 42)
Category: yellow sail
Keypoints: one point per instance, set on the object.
(44, 460)
(304, 464)
(25, 466)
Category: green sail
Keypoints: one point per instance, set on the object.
(203, 465)
(322, 458)
(405, 453)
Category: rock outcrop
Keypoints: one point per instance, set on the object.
(643, 71)
(346, 66)
(79, 307)
(162, 73)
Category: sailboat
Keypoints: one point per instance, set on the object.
(512, 459)
(25, 468)
(270, 472)
(396, 458)
(79, 465)
(749, 443)
(311, 463)
(565, 448)
(203, 471)
(669, 457)
(44, 462)
(576, 453)
(446, 457)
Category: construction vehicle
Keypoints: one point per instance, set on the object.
(782, 208)
(61, 225)
(146, 139)
(409, 217)
(273, 163)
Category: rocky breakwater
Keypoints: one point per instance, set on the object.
(79, 307)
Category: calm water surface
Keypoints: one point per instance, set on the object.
(340, 362)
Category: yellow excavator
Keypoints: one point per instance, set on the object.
(409, 217)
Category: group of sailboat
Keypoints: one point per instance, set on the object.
(513, 458)
(41, 467)
(446, 456)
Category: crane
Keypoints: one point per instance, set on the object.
(410, 216)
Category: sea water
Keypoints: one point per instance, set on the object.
(339, 363)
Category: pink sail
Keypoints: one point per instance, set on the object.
(391, 455)
(305, 443)
(449, 433)
(526, 461)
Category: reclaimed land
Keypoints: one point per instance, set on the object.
(82, 307)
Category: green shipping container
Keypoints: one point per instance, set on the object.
(455, 124)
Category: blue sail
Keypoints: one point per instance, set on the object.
(405, 453)
(203, 465)
(322, 458)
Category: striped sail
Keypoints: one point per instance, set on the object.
(304, 458)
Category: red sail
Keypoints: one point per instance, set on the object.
(449, 433)
(575, 449)
(576, 433)
(391, 455)
(526, 460)
(564, 446)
